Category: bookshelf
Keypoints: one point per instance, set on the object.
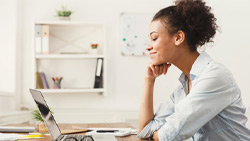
(70, 56)
(55, 91)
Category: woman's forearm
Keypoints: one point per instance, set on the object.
(146, 110)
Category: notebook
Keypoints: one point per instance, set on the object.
(120, 132)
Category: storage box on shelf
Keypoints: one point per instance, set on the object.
(63, 49)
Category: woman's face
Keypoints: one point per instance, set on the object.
(161, 46)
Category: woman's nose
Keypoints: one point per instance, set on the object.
(149, 47)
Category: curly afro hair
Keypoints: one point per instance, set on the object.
(193, 17)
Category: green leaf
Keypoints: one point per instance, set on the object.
(64, 12)
(37, 116)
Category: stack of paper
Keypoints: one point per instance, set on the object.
(16, 129)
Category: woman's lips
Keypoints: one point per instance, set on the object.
(151, 53)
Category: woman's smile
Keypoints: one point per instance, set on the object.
(152, 53)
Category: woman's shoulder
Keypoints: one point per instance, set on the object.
(216, 78)
(217, 74)
(216, 69)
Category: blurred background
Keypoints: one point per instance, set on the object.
(124, 73)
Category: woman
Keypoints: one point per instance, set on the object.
(207, 104)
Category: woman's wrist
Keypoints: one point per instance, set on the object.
(149, 79)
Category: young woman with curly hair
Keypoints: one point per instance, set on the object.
(207, 104)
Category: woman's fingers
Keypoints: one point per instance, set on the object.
(159, 69)
(153, 69)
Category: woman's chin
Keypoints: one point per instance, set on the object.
(157, 62)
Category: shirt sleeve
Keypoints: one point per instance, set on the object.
(164, 110)
(208, 97)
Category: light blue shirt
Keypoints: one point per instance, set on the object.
(212, 111)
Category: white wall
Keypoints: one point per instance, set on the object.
(10, 65)
(125, 73)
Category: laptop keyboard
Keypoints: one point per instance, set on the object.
(78, 137)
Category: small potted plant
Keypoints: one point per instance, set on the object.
(94, 48)
(39, 123)
(64, 14)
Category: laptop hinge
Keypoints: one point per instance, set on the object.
(60, 138)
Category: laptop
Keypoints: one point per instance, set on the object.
(53, 127)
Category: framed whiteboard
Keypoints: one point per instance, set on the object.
(135, 33)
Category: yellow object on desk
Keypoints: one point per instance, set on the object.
(12, 137)
(32, 136)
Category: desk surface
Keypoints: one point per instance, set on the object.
(104, 125)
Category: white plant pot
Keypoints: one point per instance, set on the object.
(64, 18)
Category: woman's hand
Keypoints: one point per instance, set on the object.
(156, 70)
(155, 136)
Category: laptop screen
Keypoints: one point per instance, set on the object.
(46, 114)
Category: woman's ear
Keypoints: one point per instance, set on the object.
(179, 37)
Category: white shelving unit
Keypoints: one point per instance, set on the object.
(56, 91)
(56, 56)
(69, 44)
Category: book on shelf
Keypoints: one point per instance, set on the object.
(98, 74)
(41, 81)
(45, 39)
(39, 84)
(38, 39)
(44, 80)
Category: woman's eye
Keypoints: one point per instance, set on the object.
(154, 39)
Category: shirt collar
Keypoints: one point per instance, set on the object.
(199, 65)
